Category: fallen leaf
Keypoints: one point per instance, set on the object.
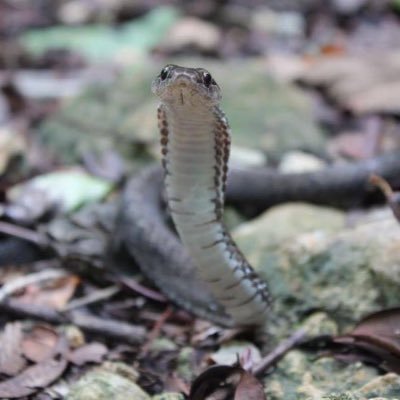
(39, 344)
(36, 377)
(12, 144)
(11, 360)
(249, 388)
(92, 352)
(56, 296)
(366, 85)
(67, 189)
(375, 340)
(215, 378)
(32, 379)
(393, 198)
(229, 353)
(381, 329)
(225, 383)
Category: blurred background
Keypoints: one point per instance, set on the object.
(316, 76)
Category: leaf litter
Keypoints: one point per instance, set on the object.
(48, 352)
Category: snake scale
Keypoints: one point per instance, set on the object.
(195, 140)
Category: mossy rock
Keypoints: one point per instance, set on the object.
(311, 262)
(111, 380)
(301, 377)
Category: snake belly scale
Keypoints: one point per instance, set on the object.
(195, 141)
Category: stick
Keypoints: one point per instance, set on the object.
(112, 329)
(275, 355)
(19, 283)
(94, 297)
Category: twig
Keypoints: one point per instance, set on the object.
(19, 283)
(275, 355)
(94, 297)
(24, 233)
(112, 329)
(117, 330)
(393, 198)
(143, 290)
(154, 333)
(382, 184)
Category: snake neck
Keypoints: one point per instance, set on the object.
(195, 148)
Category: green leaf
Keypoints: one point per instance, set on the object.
(69, 189)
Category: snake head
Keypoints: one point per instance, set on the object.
(182, 86)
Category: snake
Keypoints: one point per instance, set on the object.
(203, 270)
(195, 141)
(195, 144)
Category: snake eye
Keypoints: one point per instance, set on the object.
(207, 79)
(164, 73)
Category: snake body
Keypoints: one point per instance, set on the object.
(195, 139)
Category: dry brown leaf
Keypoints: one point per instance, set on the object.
(218, 378)
(221, 382)
(393, 198)
(32, 379)
(382, 98)
(376, 339)
(366, 84)
(92, 352)
(40, 343)
(56, 296)
(36, 377)
(249, 388)
(382, 329)
(11, 360)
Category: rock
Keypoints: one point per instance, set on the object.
(301, 377)
(284, 23)
(286, 67)
(382, 250)
(112, 380)
(229, 353)
(279, 224)
(185, 363)
(194, 33)
(311, 263)
(243, 156)
(169, 396)
(381, 387)
(347, 7)
(74, 12)
(163, 344)
(45, 84)
(319, 324)
(298, 161)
